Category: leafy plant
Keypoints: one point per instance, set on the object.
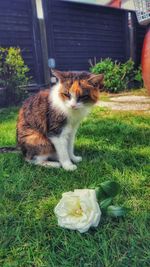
(13, 73)
(105, 193)
(117, 76)
(138, 76)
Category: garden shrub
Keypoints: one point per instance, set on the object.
(138, 77)
(117, 76)
(13, 73)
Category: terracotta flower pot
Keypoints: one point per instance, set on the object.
(146, 60)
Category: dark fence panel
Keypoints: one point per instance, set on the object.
(19, 27)
(79, 32)
(140, 33)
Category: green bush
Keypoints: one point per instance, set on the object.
(138, 77)
(117, 76)
(13, 73)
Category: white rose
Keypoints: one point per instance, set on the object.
(78, 210)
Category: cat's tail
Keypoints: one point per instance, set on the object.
(9, 149)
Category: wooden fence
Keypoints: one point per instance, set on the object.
(72, 33)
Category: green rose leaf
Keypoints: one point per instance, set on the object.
(116, 211)
(111, 188)
(100, 194)
(105, 203)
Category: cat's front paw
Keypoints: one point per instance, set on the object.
(76, 159)
(69, 166)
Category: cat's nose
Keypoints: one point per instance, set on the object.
(73, 106)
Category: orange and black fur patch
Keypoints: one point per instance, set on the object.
(36, 122)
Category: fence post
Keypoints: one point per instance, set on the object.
(43, 37)
(40, 43)
(131, 46)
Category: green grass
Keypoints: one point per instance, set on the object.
(8, 126)
(114, 145)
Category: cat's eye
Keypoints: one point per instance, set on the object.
(83, 98)
(67, 95)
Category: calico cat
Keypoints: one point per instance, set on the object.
(48, 121)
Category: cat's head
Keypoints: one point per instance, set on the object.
(78, 89)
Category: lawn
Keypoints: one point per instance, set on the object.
(114, 146)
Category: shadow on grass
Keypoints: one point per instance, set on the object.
(113, 132)
(124, 156)
(8, 114)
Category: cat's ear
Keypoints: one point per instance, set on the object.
(96, 79)
(60, 75)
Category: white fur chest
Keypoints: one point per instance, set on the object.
(76, 116)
